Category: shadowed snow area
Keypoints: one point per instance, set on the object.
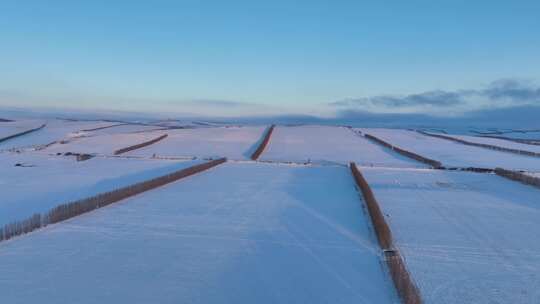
(230, 142)
(239, 233)
(330, 144)
(454, 154)
(466, 237)
(43, 181)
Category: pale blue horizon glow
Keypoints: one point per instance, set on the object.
(281, 54)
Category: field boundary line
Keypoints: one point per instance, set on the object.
(403, 282)
(431, 162)
(518, 177)
(22, 133)
(266, 139)
(486, 146)
(72, 209)
(517, 140)
(105, 127)
(141, 145)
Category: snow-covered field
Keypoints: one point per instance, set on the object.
(231, 142)
(529, 135)
(466, 237)
(103, 144)
(498, 142)
(269, 231)
(329, 144)
(240, 233)
(454, 154)
(122, 129)
(54, 131)
(45, 181)
(15, 127)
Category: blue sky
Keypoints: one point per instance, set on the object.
(297, 56)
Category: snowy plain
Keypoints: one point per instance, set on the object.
(258, 232)
(527, 135)
(466, 237)
(329, 144)
(14, 127)
(498, 142)
(454, 154)
(46, 181)
(105, 144)
(230, 142)
(265, 233)
(123, 129)
(55, 130)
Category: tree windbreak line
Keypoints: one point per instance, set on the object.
(72, 209)
(263, 144)
(405, 286)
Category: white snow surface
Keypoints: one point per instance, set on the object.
(453, 154)
(498, 142)
(238, 233)
(124, 128)
(102, 144)
(230, 142)
(50, 180)
(19, 126)
(466, 237)
(529, 135)
(329, 144)
(55, 130)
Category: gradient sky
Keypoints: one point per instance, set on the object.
(178, 55)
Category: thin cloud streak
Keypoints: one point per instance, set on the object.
(498, 94)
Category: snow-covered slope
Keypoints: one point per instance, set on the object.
(466, 237)
(231, 142)
(454, 154)
(55, 130)
(43, 182)
(102, 144)
(122, 129)
(330, 144)
(14, 127)
(498, 142)
(239, 233)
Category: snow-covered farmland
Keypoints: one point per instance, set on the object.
(55, 130)
(239, 233)
(329, 144)
(102, 144)
(14, 127)
(523, 135)
(498, 142)
(260, 232)
(453, 154)
(42, 182)
(466, 237)
(231, 142)
(122, 129)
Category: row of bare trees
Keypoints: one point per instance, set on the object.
(263, 144)
(22, 133)
(433, 163)
(470, 143)
(405, 286)
(68, 210)
(518, 176)
(141, 145)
